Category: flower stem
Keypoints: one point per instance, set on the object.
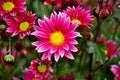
(54, 73)
(10, 46)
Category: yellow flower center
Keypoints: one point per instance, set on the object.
(8, 6)
(35, 79)
(106, 52)
(57, 38)
(76, 20)
(24, 26)
(42, 68)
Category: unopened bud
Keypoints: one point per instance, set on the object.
(89, 35)
(9, 58)
(104, 13)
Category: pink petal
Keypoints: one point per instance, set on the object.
(49, 56)
(65, 46)
(72, 35)
(15, 33)
(44, 47)
(40, 34)
(69, 55)
(45, 55)
(53, 49)
(36, 43)
(56, 56)
(71, 41)
(61, 51)
(73, 48)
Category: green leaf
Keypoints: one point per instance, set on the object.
(100, 54)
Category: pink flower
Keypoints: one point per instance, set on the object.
(62, 4)
(79, 15)
(111, 51)
(41, 69)
(11, 6)
(101, 39)
(29, 75)
(116, 71)
(106, 9)
(15, 78)
(3, 54)
(56, 36)
(68, 77)
(21, 24)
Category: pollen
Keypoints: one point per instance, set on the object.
(24, 26)
(76, 20)
(57, 38)
(8, 6)
(42, 68)
(35, 79)
(106, 52)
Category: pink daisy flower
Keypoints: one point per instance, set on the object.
(11, 6)
(56, 36)
(41, 69)
(29, 75)
(79, 15)
(111, 51)
(21, 24)
(116, 71)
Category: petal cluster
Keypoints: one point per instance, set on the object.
(21, 24)
(116, 71)
(11, 7)
(56, 36)
(111, 52)
(79, 15)
(29, 75)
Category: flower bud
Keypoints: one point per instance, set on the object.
(89, 35)
(9, 58)
(104, 13)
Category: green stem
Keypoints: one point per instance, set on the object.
(54, 73)
(10, 47)
(98, 28)
(99, 67)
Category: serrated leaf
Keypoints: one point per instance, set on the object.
(100, 54)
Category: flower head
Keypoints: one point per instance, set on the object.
(29, 75)
(11, 6)
(80, 16)
(62, 4)
(116, 71)
(41, 68)
(105, 10)
(21, 24)
(56, 36)
(111, 52)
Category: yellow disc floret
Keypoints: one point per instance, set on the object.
(42, 68)
(76, 20)
(24, 26)
(35, 79)
(8, 6)
(106, 52)
(57, 38)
